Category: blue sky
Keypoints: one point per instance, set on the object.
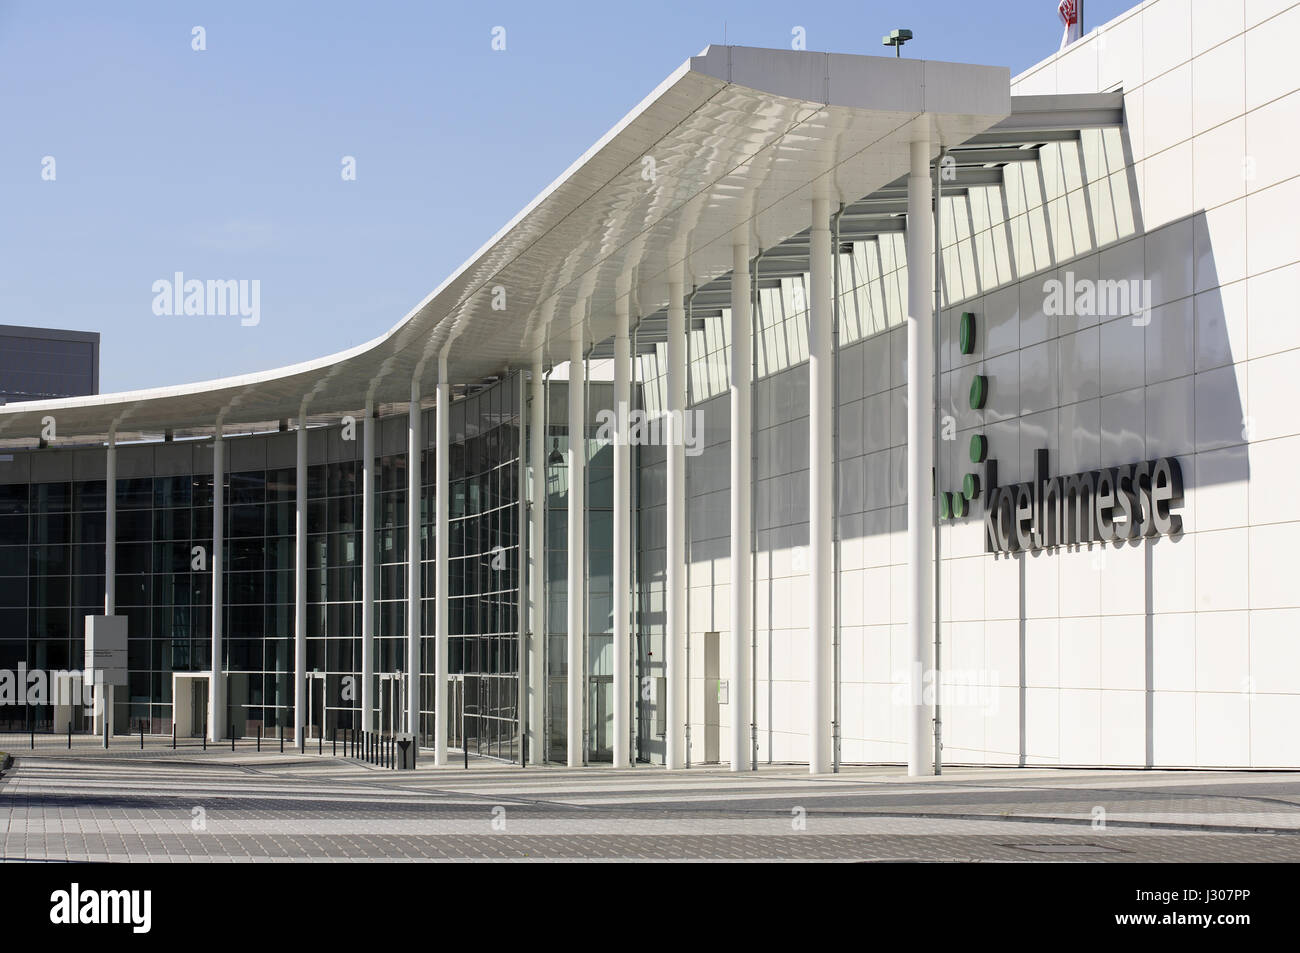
(226, 163)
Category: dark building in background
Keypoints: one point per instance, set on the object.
(43, 363)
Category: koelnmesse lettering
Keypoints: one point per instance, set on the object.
(1114, 503)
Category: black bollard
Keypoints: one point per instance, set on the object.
(334, 742)
(205, 736)
(281, 739)
(465, 745)
(320, 742)
(69, 736)
(173, 736)
(259, 739)
(33, 739)
(232, 736)
(141, 734)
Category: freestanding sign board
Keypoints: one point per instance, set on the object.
(106, 649)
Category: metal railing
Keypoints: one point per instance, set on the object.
(371, 747)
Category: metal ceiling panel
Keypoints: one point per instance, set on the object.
(739, 138)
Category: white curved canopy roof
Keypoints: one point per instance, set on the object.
(736, 140)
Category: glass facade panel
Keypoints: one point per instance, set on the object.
(52, 561)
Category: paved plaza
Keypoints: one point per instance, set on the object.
(125, 804)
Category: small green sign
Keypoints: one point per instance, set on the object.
(966, 332)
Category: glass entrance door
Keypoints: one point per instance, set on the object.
(600, 711)
(471, 708)
(556, 739)
(316, 710)
(389, 703)
(455, 705)
(198, 707)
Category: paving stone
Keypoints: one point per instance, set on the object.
(189, 805)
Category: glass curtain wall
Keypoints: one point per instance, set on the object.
(52, 576)
(599, 573)
(390, 568)
(484, 580)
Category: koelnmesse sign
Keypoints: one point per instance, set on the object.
(1114, 503)
(1104, 505)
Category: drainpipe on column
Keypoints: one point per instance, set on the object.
(938, 439)
(634, 643)
(586, 549)
(755, 333)
(835, 492)
(681, 435)
(544, 755)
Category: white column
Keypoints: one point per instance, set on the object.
(216, 695)
(920, 453)
(414, 446)
(576, 577)
(104, 693)
(675, 574)
(300, 589)
(622, 563)
(820, 492)
(741, 566)
(110, 525)
(537, 567)
(441, 552)
(368, 570)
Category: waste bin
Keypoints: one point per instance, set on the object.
(406, 748)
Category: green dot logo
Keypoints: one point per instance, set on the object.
(955, 505)
(966, 332)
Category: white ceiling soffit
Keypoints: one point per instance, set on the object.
(735, 139)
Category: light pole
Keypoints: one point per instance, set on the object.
(896, 39)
